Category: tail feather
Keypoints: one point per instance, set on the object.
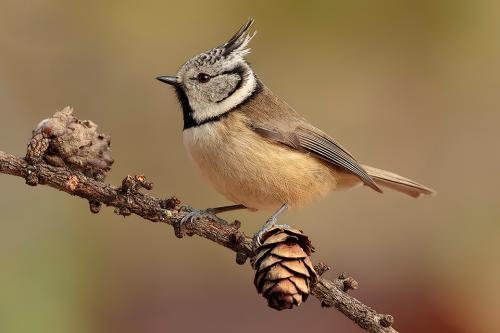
(397, 182)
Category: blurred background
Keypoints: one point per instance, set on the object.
(410, 86)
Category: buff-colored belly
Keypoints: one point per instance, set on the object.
(251, 171)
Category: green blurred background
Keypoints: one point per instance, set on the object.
(411, 86)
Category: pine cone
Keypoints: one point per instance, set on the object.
(284, 271)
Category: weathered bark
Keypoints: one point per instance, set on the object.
(128, 200)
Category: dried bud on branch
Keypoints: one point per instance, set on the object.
(64, 140)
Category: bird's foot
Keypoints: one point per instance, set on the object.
(194, 215)
(270, 224)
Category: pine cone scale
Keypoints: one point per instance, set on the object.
(278, 272)
(288, 251)
(297, 266)
(300, 283)
(284, 286)
(269, 261)
(276, 238)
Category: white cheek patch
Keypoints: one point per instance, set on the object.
(204, 111)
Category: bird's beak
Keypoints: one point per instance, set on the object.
(172, 80)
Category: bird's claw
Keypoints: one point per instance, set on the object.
(257, 238)
(189, 217)
(193, 216)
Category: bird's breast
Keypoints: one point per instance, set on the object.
(253, 171)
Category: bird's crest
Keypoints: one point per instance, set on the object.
(235, 48)
(237, 45)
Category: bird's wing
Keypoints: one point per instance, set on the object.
(274, 119)
(305, 137)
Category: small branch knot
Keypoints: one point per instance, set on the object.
(348, 282)
(321, 268)
(241, 258)
(234, 238)
(95, 206)
(123, 211)
(386, 321)
(237, 238)
(236, 224)
(132, 184)
(72, 183)
(31, 176)
(170, 203)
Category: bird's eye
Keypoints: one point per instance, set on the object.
(203, 77)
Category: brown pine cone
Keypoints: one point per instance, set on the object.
(284, 271)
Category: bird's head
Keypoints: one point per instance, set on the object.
(216, 81)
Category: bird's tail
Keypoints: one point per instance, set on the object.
(397, 182)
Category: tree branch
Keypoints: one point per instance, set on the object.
(71, 156)
(128, 200)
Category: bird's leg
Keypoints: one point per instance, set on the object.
(209, 212)
(271, 223)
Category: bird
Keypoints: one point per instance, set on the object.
(253, 147)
